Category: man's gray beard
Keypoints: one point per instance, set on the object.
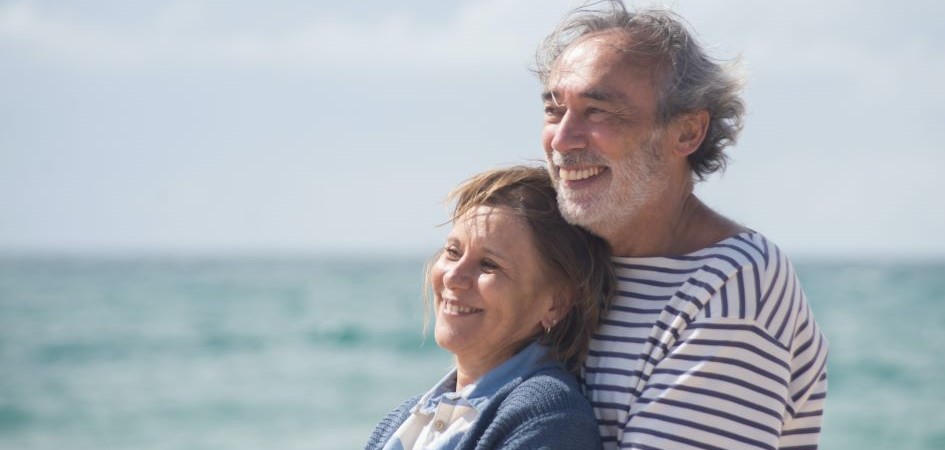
(634, 184)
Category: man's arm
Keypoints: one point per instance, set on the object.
(748, 372)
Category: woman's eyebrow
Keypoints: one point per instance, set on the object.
(495, 253)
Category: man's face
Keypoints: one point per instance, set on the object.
(601, 138)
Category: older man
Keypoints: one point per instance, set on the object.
(710, 343)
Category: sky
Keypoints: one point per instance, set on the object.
(315, 127)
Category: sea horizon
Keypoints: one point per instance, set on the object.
(309, 351)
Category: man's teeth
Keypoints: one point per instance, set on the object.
(578, 174)
(452, 308)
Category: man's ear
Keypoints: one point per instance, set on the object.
(689, 131)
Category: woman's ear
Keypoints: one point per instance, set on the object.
(560, 306)
(548, 322)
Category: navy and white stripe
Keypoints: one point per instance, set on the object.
(716, 349)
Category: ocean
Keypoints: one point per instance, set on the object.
(308, 353)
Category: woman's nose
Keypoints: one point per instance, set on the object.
(456, 275)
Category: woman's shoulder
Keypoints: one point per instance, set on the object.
(544, 410)
(390, 423)
(549, 389)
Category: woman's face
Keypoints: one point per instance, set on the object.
(490, 289)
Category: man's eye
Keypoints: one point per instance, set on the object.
(595, 114)
(553, 112)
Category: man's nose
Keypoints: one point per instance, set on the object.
(570, 133)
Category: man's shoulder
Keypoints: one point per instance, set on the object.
(748, 279)
(745, 248)
(723, 258)
(731, 278)
(748, 260)
(746, 252)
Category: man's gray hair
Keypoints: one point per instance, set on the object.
(688, 79)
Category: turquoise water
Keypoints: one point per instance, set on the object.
(309, 353)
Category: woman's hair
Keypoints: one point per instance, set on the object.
(575, 261)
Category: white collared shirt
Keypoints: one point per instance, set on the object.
(441, 418)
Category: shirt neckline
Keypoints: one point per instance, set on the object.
(673, 260)
(479, 392)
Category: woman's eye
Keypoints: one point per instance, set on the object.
(451, 253)
(488, 266)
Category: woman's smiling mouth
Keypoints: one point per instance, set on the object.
(454, 309)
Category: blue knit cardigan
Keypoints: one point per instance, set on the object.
(541, 410)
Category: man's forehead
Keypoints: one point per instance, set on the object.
(612, 46)
(597, 60)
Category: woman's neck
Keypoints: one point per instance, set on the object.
(470, 368)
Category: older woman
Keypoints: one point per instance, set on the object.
(516, 294)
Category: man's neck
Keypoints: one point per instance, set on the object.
(676, 225)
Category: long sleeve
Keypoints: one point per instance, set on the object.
(717, 349)
(546, 411)
(389, 424)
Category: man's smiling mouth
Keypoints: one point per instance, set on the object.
(579, 174)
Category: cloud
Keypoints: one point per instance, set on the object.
(24, 26)
(844, 104)
(879, 53)
(476, 35)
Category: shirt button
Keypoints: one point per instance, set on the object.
(439, 425)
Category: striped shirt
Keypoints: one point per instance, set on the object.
(716, 349)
